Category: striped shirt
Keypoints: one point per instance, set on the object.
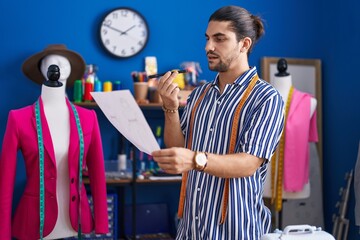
(260, 126)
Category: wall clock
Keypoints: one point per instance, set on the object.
(124, 32)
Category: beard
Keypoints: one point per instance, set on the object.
(219, 67)
(222, 65)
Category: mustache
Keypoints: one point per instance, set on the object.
(211, 53)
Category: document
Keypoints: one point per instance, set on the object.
(125, 115)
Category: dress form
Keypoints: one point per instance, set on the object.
(282, 81)
(57, 116)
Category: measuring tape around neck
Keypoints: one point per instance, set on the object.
(41, 165)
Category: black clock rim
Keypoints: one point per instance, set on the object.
(116, 9)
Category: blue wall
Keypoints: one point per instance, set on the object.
(299, 29)
(339, 50)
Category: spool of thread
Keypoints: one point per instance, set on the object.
(78, 91)
(117, 85)
(107, 86)
(97, 86)
(121, 162)
(88, 89)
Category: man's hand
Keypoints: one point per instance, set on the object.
(169, 91)
(174, 160)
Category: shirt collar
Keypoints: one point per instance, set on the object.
(242, 79)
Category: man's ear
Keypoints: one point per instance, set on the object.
(246, 44)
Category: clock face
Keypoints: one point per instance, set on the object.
(124, 32)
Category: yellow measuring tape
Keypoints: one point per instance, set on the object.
(278, 157)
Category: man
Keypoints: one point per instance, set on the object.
(230, 128)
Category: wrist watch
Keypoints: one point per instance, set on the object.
(200, 160)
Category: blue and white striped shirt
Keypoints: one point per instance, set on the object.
(260, 127)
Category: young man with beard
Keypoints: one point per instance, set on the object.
(225, 138)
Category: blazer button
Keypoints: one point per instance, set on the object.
(72, 180)
(73, 198)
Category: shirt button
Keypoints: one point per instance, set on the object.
(73, 198)
(198, 189)
(196, 217)
(211, 129)
(218, 102)
(72, 180)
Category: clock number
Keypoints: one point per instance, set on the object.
(124, 13)
(135, 16)
(123, 52)
(107, 22)
(115, 15)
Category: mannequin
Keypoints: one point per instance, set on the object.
(54, 137)
(300, 165)
(57, 116)
(282, 81)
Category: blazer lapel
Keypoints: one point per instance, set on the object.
(47, 141)
(73, 154)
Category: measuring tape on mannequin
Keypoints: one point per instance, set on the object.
(41, 165)
(277, 162)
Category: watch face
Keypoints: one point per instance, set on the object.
(201, 159)
(124, 32)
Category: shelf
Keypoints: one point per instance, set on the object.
(150, 181)
(183, 95)
(141, 105)
(113, 181)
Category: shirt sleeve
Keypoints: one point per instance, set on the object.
(263, 132)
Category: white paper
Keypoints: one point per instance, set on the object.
(125, 115)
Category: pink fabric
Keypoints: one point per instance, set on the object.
(21, 135)
(299, 131)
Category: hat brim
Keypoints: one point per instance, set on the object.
(31, 66)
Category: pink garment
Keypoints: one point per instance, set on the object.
(21, 135)
(299, 131)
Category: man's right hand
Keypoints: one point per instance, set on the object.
(169, 91)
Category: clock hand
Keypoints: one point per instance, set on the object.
(115, 29)
(125, 32)
(132, 37)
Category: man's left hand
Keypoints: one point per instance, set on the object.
(174, 160)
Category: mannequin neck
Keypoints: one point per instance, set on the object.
(283, 85)
(53, 95)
